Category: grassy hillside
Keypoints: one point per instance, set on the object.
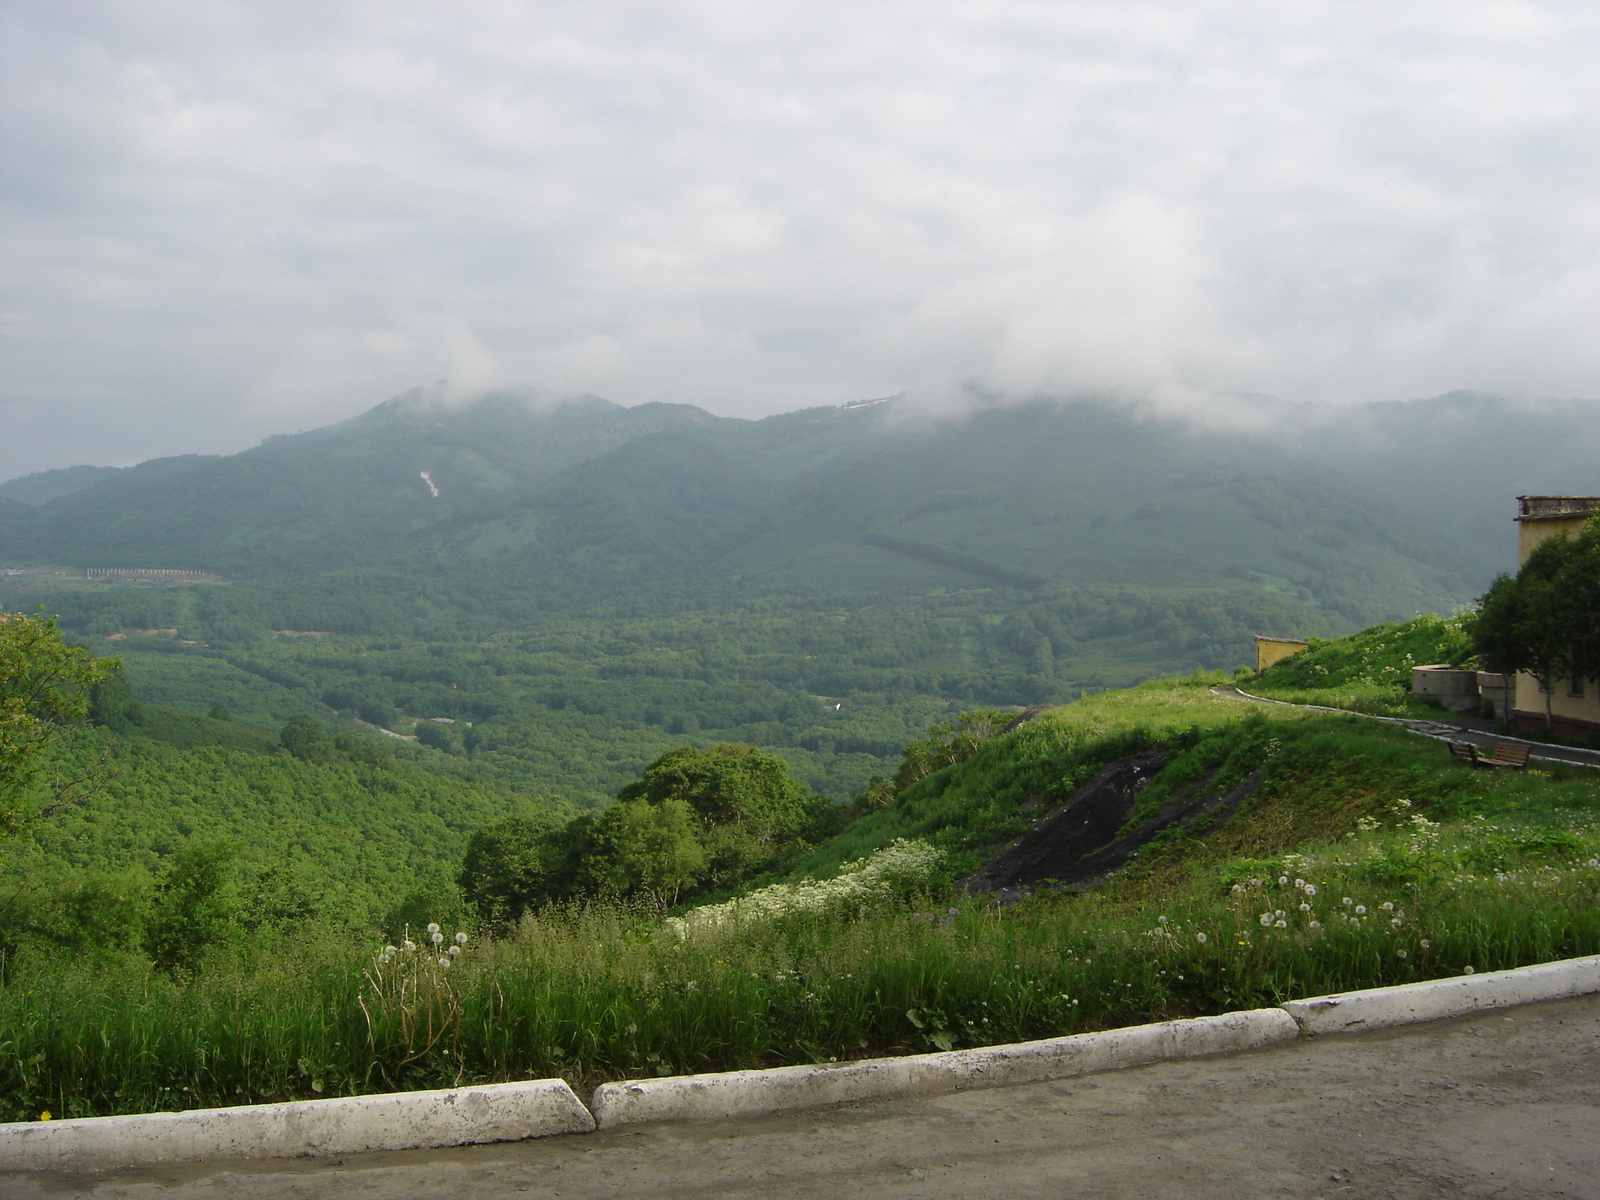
(357, 830)
(1363, 855)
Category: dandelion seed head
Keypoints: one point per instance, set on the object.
(1361, 910)
(461, 939)
(1201, 938)
(436, 938)
(1469, 970)
(433, 927)
(1305, 908)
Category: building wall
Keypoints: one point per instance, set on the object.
(1275, 650)
(1573, 714)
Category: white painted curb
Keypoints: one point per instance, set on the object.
(748, 1093)
(497, 1112)
(1436, 999)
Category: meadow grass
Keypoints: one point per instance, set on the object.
(1364, 857)
(604, 992)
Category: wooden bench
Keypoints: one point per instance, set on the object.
(1504, 754)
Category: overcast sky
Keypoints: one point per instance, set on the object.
(225, 220)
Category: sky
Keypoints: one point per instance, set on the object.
(221, 220)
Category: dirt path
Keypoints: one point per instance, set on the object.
(1503, 1105)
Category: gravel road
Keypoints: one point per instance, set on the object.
(1502, 1105)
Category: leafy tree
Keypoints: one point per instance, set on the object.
(1545, 620)
(220, 712)
(948, 744)
(748, 807)
(440, 737)
(195, 905)
(45, 694)
(277, 898)
(307, 739)
(646, 849)
(513, 866)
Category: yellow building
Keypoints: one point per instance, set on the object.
(1574, 703)
(1271, 650)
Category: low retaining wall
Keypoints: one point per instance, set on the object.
(500, 1112)
(748, 1093)
(1436, 999)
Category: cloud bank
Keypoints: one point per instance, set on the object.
(224, 220)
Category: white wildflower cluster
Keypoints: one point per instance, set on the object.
(892, 874)
(432, 951)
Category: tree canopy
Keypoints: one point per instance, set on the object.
(46, 690)
(1545, 620)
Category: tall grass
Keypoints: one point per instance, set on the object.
(604, 992)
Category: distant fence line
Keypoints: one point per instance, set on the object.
(159, 574)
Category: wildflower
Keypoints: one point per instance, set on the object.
(433, 927)
(45, 1116)
(461, 939)
(1469, 970)
(1201, 938)
(1361, 910)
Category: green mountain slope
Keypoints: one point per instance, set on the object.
(574, 498)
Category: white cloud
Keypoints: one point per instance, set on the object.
(222, 220)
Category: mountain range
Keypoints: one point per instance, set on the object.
(1365, 512)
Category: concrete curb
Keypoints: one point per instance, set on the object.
(749, 1093)
(540, 1108)
(1437, 999)
(498, 1112)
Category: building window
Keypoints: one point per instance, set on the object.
(1575, 686)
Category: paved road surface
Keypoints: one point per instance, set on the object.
(1503, 1105)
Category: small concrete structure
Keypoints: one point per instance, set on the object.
(1271, 650)
(1451, 689)
(1499, 691)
